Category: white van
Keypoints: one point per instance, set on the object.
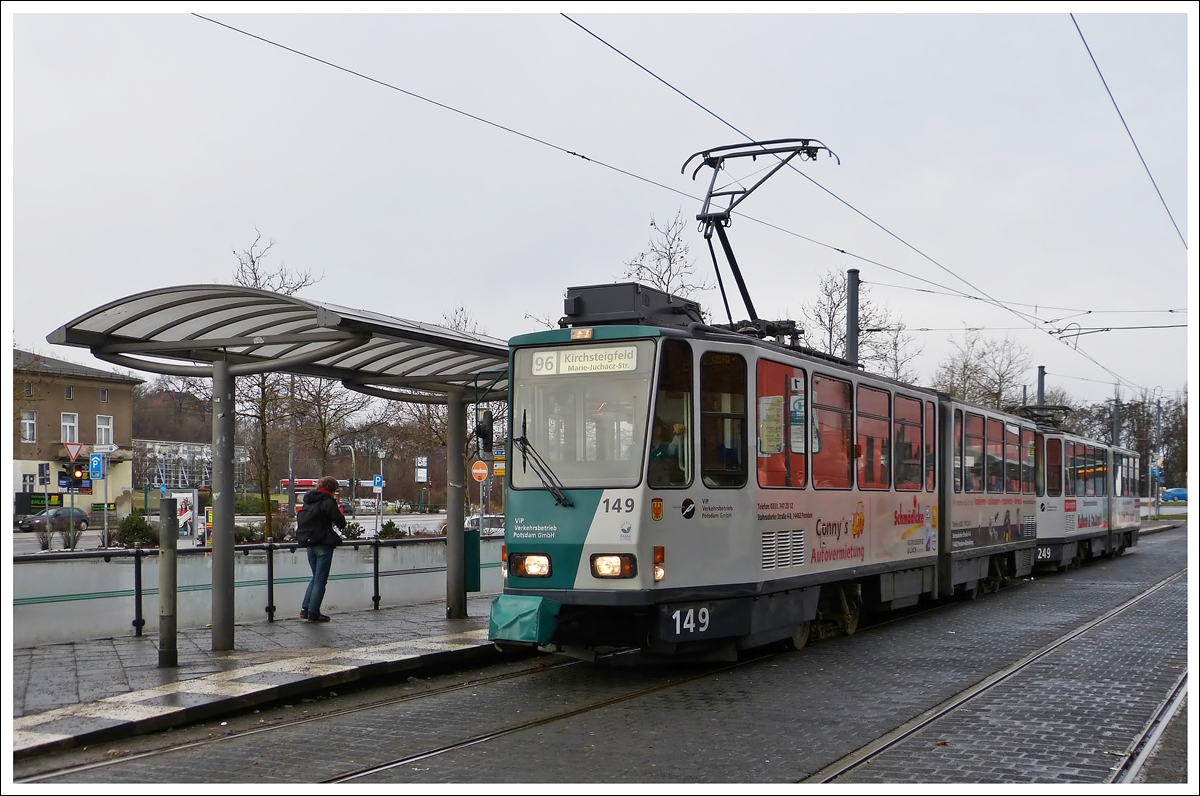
(367, 505)
(493, 525)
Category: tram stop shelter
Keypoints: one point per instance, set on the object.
(224, 331)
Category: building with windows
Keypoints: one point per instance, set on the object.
(56, 403)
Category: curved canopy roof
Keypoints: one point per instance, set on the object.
(258, 331)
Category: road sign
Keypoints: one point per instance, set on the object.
(43, 473)
(73, 449)
(378, 482)
(96, 466)
(162, 489)
(104, 449)
(479, 471)
(498, 468)
(378, 490)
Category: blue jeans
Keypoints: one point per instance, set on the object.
(320, 558)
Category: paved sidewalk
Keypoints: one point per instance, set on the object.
(87, 691)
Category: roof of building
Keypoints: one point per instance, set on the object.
(36, 363)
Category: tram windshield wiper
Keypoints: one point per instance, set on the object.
(530, 456)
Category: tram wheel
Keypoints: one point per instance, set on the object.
(799, 639)
(850, 621)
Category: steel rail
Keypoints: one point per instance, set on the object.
(1147, 740)
(864, 754)
(50, 775)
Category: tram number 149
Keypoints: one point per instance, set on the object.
(690, 620)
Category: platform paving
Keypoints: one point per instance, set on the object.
(73, 694)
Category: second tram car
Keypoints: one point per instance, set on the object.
(680, 487)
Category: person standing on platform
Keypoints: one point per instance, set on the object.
(315, 521)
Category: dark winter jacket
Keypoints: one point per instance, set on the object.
(316, 518)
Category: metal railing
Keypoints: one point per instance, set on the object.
(138, 553)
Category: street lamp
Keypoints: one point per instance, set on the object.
(353, 481)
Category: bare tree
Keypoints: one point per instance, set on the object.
(324, 410)
(665, 263)
(882, 341)
(986, 371)
(261, 398)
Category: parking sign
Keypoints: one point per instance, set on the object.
(96, 466)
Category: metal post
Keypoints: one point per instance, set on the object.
(375, 573)
(353, 484)
(1041, 385)
(70, 519)
(270, 581)
(223, 508)
(168, 544)
(1116, 437)
(456, 583)
(291, 493)
(138, 622)
(106, 500)
(852, 315)
(1157, 457)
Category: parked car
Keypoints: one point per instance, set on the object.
(38, 521)
(493, 525)
(1176, 493)
(345, 506)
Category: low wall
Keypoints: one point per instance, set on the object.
(82, 598)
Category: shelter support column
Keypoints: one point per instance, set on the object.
(456, 473)
(223, 507)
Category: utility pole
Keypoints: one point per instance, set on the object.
(852, 316)
(1041, 385)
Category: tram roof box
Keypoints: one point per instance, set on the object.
(627, 302)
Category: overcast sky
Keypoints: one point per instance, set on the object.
(140, 149)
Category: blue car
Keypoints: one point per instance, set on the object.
(1171, 495)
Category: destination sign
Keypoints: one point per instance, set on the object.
(593, 359)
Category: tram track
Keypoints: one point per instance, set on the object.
(1137, 752)
(1143, 746)
(292, 723)
(1131, 761)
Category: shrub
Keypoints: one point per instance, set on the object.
(392, 531)
(247, 534)
(353, 531)
(283, 530)
(248, 503)
(135, 531)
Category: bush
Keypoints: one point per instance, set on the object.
(247, 503)
(247, 534)
(391, 531)
(353, 531)
(283, 530)
(135, 531)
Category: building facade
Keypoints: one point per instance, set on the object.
(56, 403)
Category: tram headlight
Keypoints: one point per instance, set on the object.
(529, 565)
(659, 572)
(614, 565)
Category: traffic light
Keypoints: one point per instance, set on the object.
(483, 430)
(78, 473)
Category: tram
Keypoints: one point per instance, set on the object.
(698, 489)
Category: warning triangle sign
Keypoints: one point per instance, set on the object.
(73, 449)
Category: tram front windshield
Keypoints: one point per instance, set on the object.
(583, 409)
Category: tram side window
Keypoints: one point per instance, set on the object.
(1118, 470)
(782, 424)
(723, 419)
(930, 447)
(973, 449)
(1088, 470)
(957, 462)
(1039, 464)
(908, 442)
(874, 448)
(1135, 477)
(995, 455)
(1100, 470)
(671, 433)
(1027, 460)
(1074, 482)
(1012, 459)
(832, 407)
(1054, 467)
